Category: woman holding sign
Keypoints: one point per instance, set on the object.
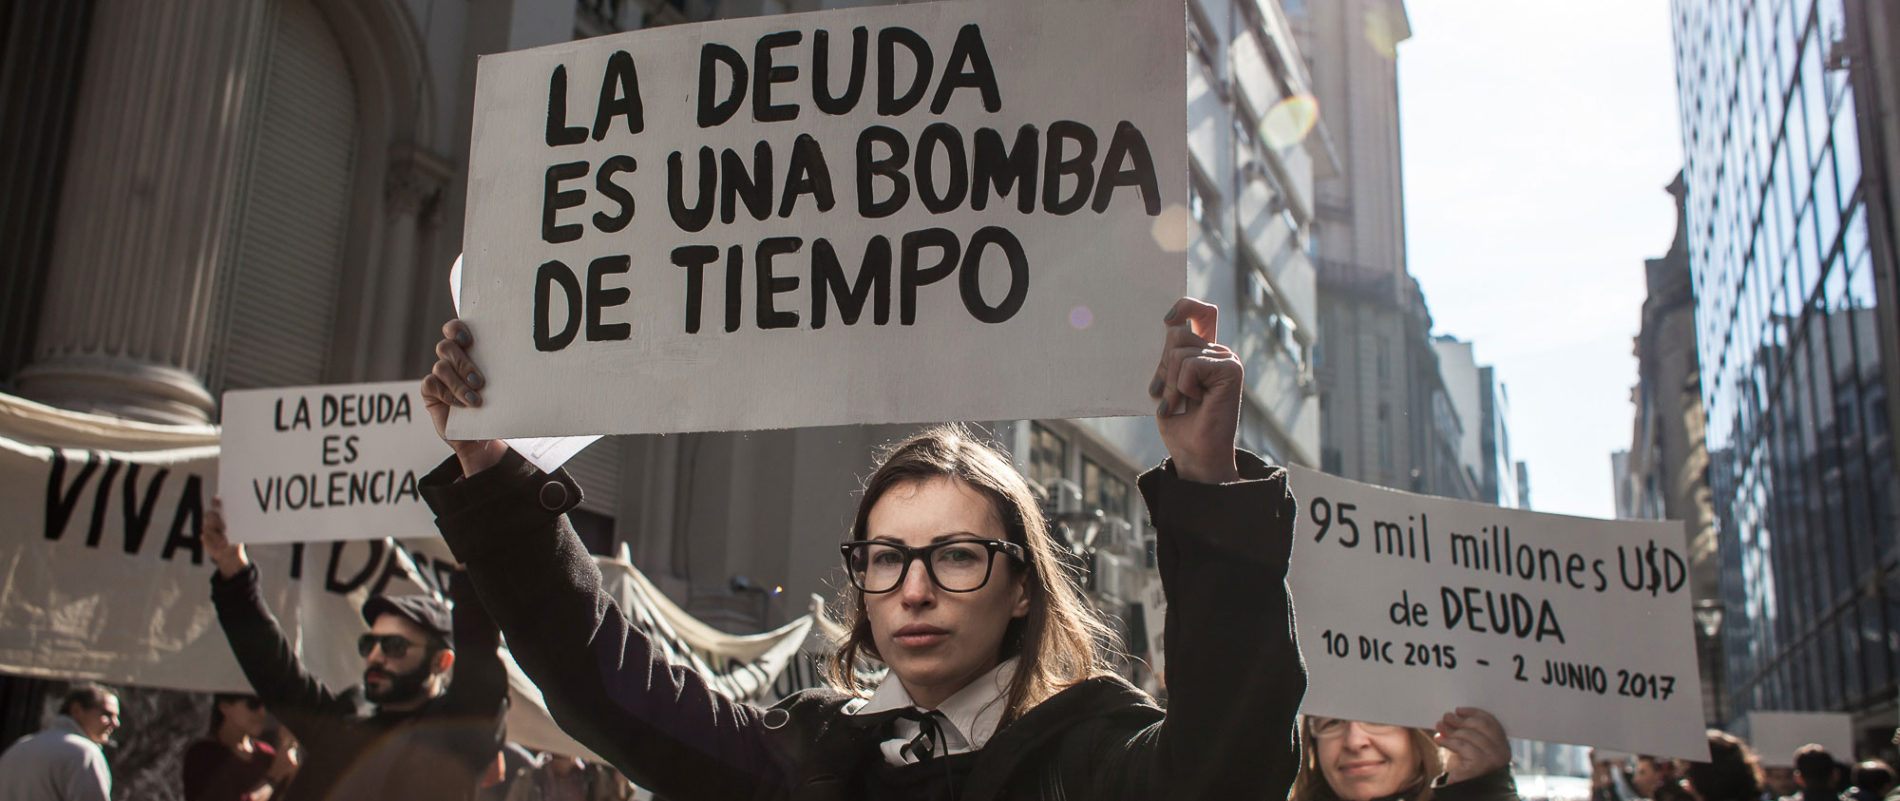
(1466, 759)
(998, 686)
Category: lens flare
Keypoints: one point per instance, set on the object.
(1080, 317)
(1170, 229)
(1289, 121)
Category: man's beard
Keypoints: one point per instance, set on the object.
(402, 687)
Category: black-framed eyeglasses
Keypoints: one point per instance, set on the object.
(955, 565)
(395, 646)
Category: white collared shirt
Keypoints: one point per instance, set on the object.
(968, 718)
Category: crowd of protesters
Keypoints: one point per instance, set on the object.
(997, 680)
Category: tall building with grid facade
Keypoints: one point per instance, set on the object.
(1786, 125)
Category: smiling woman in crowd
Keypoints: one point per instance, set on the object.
(998, 685)
(1466, 759)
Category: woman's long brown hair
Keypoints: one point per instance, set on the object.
(1060, 641)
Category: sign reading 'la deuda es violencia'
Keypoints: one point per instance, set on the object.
(740, 224)
(337, 462)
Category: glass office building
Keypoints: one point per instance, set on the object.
(1793, 364)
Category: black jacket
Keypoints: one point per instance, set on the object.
(353, 751)
(1235, 673)
(1498, 785)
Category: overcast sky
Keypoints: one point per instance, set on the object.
(1537, 141)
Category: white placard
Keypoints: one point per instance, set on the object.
(1568, 629)
(982, 217)
(1775, 736)
(337, 462)
(547, 453)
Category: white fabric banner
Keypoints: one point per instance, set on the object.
(106, 579)
(756, 223)
(1568, 629)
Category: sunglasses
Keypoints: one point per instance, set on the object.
(394, 646)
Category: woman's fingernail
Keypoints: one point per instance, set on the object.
(1180, 406)
(1162, 410)
(461, 338)
(1169, 318)
(1154, 388)
(475, 380)
(473, 398)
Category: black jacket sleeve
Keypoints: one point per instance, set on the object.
(478, 692)
(605, 682)
(278, 677)
(1234, 672)
(1498, 785)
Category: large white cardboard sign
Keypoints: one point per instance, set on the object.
(1775, 736)
(338, 462)
(1568, 629)
(958, 210)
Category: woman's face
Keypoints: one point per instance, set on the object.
(934, 640)
(240, 715)
(1363, 761)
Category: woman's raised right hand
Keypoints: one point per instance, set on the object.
(456, 381)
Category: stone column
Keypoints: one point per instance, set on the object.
(147, 208)
(412, 197)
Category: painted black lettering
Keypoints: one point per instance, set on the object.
(1005, 169)
(553, 200)
(889, 102)
(695, 217)
(765, 74)
(807, 175)
(553, 273)
(912, 276)
(712, 112)
(188, 523)
(559, 132)
(969, 278)
(1127, 145)
(874, 282)
(694, 258)
(754, 187)
(769, 284)
(62, 499)
(619, 97)
(941, 136)
(821, 72)
(1055, 167)
(600, 297)
(968, 67)
(890, 167)
(137, 514)
(604, 184)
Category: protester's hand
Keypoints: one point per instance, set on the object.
(227, 555)
(288, 759)
(1198, 387)
(1476, 742)
(456, 382)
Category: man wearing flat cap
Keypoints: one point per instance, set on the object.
(409, 731)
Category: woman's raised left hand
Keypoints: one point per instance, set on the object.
(1198, 385)
(1476, 742)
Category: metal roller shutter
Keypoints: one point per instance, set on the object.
(597, 469)
(295, 202)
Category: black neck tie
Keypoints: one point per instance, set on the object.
(929, 737)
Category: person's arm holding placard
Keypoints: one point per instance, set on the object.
(605, 682)
(276, 674)
(1224, 528)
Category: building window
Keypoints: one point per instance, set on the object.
(1204, 203)
(1048, 456)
